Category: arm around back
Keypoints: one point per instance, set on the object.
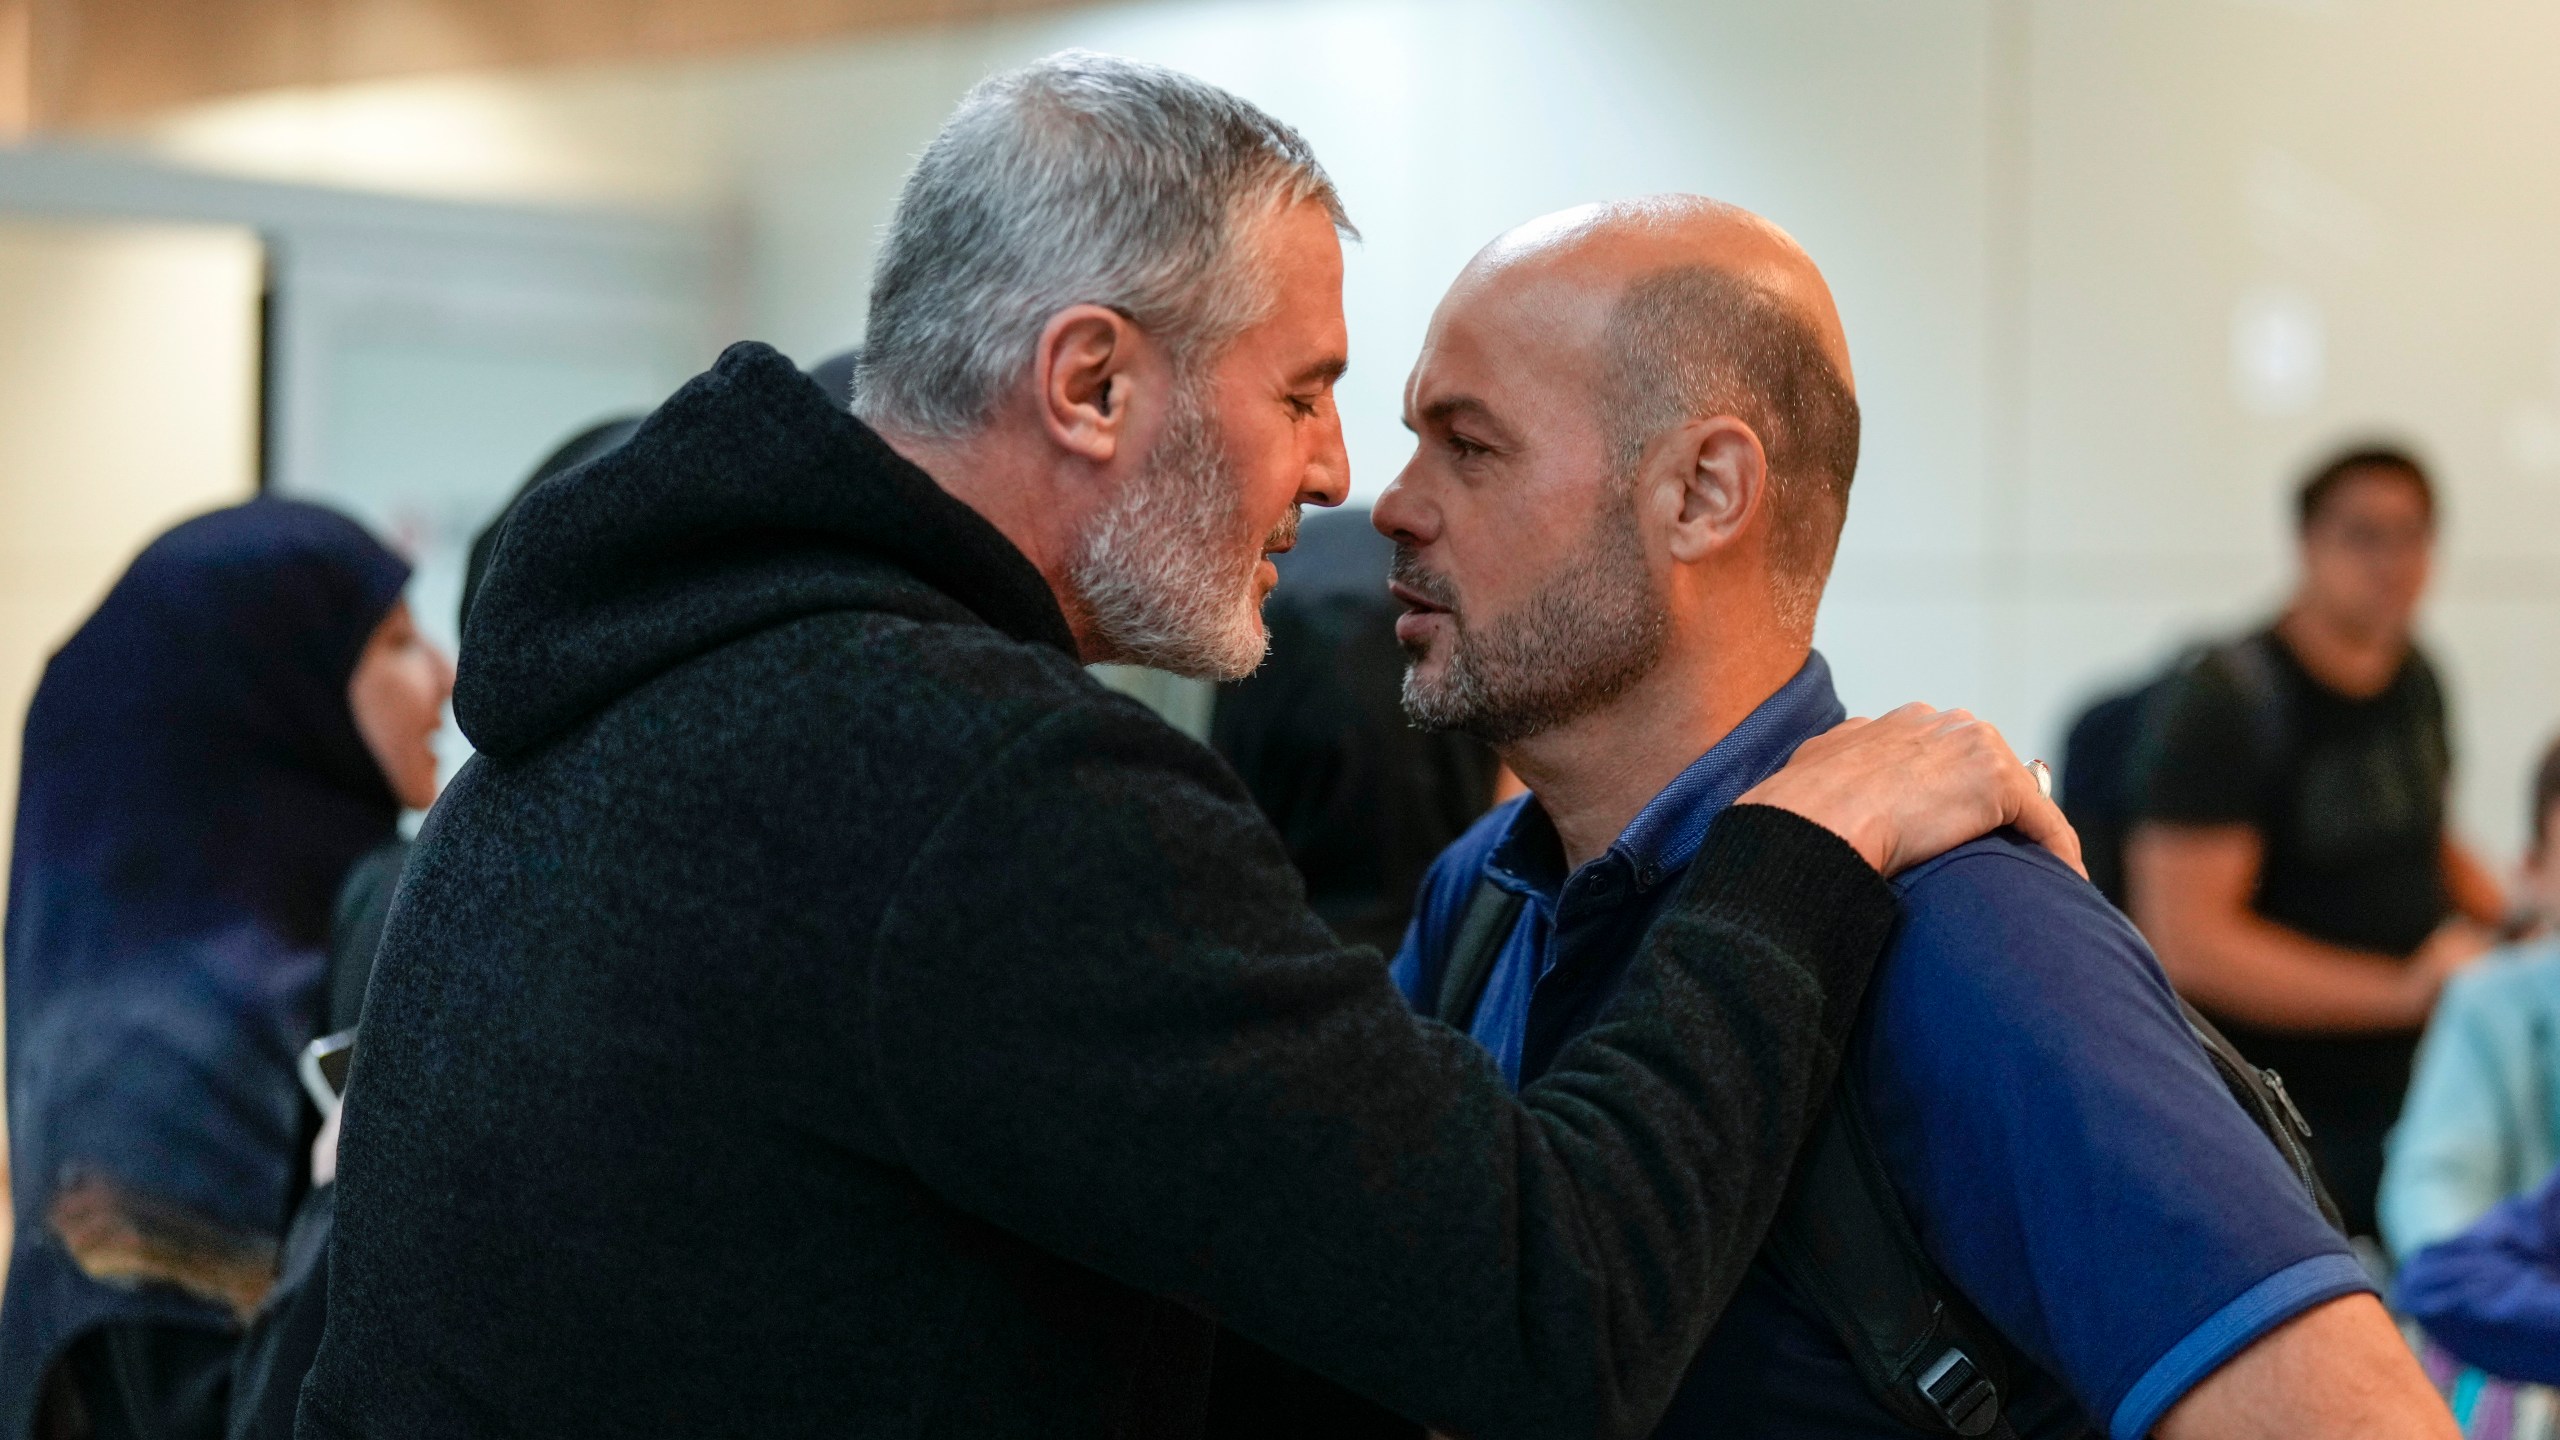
(1103, 1019)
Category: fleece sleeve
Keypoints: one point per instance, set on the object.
(1134, 1047)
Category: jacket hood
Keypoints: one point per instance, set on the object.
(746, 501)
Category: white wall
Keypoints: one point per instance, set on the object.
(2045, 221)
(128, 401)
(420, 355)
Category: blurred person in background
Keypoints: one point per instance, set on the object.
(2482, 1122)
(2487, 1298)
(1363, 798)
(2290, 858)
(276, 1352)
(242, 718)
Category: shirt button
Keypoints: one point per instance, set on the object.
(1649, 876)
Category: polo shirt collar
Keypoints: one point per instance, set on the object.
(1665, 835)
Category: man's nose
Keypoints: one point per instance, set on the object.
(1399, 514)
(1328, 477)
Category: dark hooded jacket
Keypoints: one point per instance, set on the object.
(193, 791)
(822, 1009)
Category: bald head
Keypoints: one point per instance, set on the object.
(1680, 308)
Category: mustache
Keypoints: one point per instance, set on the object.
(1284, 535)
(1408, 572)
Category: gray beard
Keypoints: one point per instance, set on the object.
(1162, 572)
(1587, 638)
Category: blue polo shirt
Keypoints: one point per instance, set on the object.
(2066, 1151)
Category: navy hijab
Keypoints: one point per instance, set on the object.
(193, 790)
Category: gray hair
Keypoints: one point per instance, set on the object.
(1692, 341)
(1077, 179)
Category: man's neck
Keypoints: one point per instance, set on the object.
(1594, 774)
(2346, 658)
(1011, 492)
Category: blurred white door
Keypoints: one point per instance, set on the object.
(128, 401)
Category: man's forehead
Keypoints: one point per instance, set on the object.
(1497, 325)
(1575, 264)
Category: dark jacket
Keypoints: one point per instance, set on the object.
(822, 1009)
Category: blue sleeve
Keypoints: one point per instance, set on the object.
(2448, 1158)
(2068, 1153)
(2491, 1295)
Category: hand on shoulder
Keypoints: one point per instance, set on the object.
(1913, 785)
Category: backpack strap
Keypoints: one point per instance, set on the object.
(1844, 1244)
(2252, 665)
(1490, 914)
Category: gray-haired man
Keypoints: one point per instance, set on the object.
(822, 1009)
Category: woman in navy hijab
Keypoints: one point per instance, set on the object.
(242, 718)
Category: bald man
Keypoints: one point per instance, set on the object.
(1637, 427)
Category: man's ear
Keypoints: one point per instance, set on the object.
(1721, 475)
(1082, 370)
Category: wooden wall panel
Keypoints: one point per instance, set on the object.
(15, 103)
(93, 61)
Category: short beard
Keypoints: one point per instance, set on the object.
(1161, 573)
(1587, 638)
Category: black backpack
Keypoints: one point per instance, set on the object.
(2102, 758)
(1844, 1243)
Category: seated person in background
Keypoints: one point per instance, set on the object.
(2483, 1118)
(1637, 432)
(1363, 800)
(2290, 857)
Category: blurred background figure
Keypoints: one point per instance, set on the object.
(2487, 1300)
(242, 718)
(1364, 800)
(285, 1335)
(2482, 1123)
(2290, 858)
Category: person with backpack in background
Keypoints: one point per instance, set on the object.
(2482, 1121)
(2288, 856)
